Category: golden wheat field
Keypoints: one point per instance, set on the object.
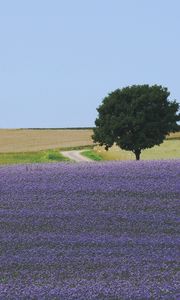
(22, 140)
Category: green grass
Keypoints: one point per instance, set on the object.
(92, 155)
(32, 157)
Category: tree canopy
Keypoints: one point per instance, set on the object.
(135, 118)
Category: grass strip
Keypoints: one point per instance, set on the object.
(92, 155)
(77, 147)
(32, 157)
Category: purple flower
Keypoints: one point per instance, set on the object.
(90, 231)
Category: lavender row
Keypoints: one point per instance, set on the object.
(90, 231)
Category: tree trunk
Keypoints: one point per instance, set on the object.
(137, 153)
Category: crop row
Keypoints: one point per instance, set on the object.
(90, 231)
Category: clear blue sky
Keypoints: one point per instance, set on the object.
(60, 58)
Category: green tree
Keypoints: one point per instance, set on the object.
(135, 118)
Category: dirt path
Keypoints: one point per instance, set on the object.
(76, 156)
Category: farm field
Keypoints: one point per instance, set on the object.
(107, 230)
(169, 149)
(25, 146)
(23, 140)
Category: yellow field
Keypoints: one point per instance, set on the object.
(169, 149)
(175, 135)
(22, 140)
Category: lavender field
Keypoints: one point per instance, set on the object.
(90, 231)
